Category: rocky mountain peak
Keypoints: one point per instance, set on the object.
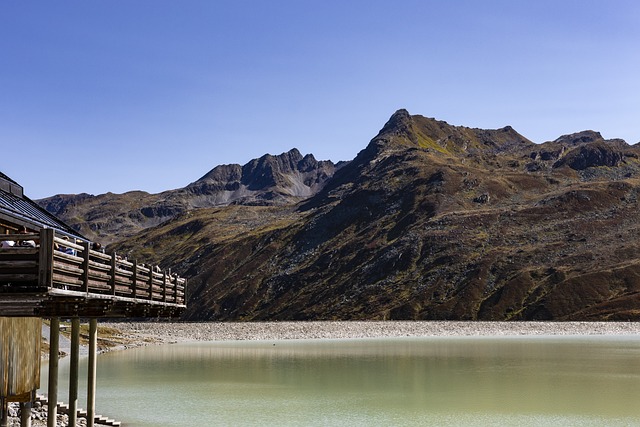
(439, 136)
(269, 170)
(404, 129)
(223, 173)
(579, 138)
(400, 123)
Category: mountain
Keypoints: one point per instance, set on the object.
(429, 221)
(269, 180)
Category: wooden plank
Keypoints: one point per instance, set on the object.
(143, 285)
(20, 340)
(98, 286)
(18, 277)
(95, 265)
(68, 268)
(27, 236)
(19, 264)
(68, 257)
(125, 281)
(122, 272)
(123, 290)
(100, 256)
(46, 257)
(99, 276)
(26, 397)
(142, 295)
(144, 270)
(66, 280)
(20, 253)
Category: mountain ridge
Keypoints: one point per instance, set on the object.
(269, 180)
(428, 221)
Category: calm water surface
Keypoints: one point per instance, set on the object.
(533, 381)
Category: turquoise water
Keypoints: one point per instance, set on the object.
(540, 381)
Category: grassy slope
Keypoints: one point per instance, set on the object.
(405, 233)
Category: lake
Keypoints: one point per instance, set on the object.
(462, 381)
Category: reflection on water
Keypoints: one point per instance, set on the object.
(400, 382)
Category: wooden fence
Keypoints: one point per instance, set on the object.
(82, 270)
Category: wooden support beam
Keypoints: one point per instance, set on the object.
(25, 414)
(86, 248)
(91, 374)
(151, 268)
(112, 274)
(54, 344)
(73, 374)
(45, 262)
(134, 279)
(164, 286)
(4, 412)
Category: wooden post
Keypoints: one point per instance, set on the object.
(151, 268)
(45, 262)
(164, 286)
(91, 375)
(73, 374)
(4, 412)
(134, 279)
(112, 279)
(54, 343)
(25, 414)
(175, 289)
(85, 266)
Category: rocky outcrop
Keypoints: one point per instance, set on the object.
(593, 154)
(265, 181)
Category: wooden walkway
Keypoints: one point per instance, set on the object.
(45, 281)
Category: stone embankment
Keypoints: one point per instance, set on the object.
(39, 416)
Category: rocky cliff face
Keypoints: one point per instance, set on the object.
(269, 180)
(429, 221)
(265, 181)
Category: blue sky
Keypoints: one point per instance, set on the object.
(150, 95)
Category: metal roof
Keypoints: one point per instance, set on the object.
(15, 205)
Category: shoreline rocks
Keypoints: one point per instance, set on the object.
(173, 332)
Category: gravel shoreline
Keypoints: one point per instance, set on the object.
(142, 333)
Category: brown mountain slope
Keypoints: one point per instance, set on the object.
(430, 221)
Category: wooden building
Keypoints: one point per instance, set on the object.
(48, 270)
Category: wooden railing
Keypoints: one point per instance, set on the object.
(83, 271)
